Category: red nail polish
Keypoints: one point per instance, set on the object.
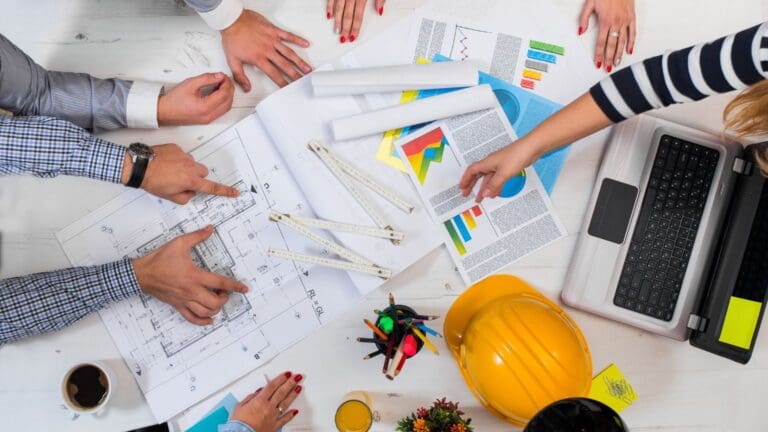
(381, 11)
(581, 30)
(599, 64)
(295, 412)
(297, 389)
(298, 378)
(343, 39)
(328, 15)
(630, 50)
(351, 38)
(608, 68)
(287, 374)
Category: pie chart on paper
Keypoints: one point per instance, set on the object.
(513, 186)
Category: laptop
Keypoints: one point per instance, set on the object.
(675, 239)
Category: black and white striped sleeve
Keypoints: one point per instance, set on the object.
(690, 74)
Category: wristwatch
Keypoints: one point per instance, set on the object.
(140, 154)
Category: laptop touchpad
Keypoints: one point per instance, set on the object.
(613, 211)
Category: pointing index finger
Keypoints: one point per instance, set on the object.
(213, 188)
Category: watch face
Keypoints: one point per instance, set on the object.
(141, 150)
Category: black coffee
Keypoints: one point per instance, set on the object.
(87, 386)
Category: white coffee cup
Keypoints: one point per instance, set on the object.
(102, 380)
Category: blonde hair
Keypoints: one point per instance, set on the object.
(747, 115)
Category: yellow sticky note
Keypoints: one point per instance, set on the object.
(531, 74)
(386, 153)
(740, 322)
(611, 388)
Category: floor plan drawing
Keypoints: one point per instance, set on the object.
(177, 363)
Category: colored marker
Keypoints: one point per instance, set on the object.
(426, 329)
(386, 324)
(424, 339)
(375, 329)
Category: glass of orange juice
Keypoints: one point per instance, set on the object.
(355, 413)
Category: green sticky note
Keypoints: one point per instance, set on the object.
(740, 322)
(386, 324)
(543, 46)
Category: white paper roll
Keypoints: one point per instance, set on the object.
(420, 111)
(394, 78)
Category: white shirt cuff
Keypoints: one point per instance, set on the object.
(141, 108)
(223, 15)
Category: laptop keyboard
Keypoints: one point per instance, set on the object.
(666, 228)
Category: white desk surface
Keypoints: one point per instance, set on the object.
(680, 388)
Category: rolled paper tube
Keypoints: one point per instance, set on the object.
(420, 111)
(397, 78)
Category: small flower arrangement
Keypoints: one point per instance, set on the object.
(442, 416)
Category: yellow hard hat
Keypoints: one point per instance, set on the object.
(517, 350)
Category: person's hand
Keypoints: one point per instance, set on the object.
(198, 100)
(348, 16)
(170, 275)
(175, 176)
(253, 40)
(261, 409)
(616, 29)
(496, 169)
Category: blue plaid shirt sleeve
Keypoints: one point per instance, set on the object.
(47, 147)
(45, 302)
(235, 426)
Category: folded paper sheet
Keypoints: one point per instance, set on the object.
(421, 111)
(387, 79)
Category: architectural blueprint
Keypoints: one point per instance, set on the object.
(176, 363)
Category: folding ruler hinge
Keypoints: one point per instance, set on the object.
(740, 166)
(697, 323)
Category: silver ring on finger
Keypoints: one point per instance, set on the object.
(613, 34)
(280, 410)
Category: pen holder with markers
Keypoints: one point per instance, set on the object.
(398, 334)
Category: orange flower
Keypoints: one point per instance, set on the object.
(458, 428)
(419, 425)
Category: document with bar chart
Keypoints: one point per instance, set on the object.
(482, 238)
(527, 62)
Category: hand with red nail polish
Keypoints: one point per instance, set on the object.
(348, 16)
(267, 409)
(253, 40)
(616, 32)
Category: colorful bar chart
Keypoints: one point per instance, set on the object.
(424, 151)
(460, 228)
(540, 57)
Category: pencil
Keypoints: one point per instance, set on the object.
(388, 357)
(410, 321)
(371, 340)
(424, 339)
(375, 329)
(372, 355)
(391, 299)
(400, 366)
(396, 360)
(426, 329)
(426, 317)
